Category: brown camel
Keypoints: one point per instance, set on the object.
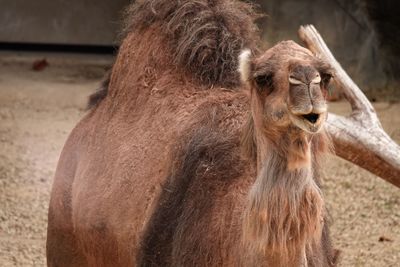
(179, 163)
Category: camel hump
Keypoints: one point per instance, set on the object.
(205, 36)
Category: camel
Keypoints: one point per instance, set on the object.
(199, 150)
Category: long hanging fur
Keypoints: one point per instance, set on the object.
(284, 214)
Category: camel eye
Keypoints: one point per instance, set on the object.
(264, 81)
(326, 78)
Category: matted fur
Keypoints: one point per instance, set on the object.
(205, 36)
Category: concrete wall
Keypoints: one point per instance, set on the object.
(80, 22)
(344, 25)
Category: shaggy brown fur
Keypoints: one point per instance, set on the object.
(284, 215)
(201, 170)
(205, 36)
(154, 174)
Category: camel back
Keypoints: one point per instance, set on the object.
(205, 37)
(198, 39)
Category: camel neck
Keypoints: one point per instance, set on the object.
(283, 213)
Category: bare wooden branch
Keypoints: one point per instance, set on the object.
(359, 137)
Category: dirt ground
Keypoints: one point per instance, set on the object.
(39, 109)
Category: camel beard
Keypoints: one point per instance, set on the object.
(283, 217)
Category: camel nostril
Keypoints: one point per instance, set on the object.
(311, 117)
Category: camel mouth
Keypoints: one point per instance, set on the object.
(311, 122)
(311, 117)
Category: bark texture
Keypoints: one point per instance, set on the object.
(359, 137)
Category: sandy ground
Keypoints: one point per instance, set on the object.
(39, 109)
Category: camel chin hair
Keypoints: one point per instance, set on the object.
(283, 218)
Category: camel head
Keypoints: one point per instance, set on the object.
(288, 90)
(288, 86)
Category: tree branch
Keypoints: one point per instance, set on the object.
(359, 137)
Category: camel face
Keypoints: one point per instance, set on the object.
(306, 102)
(291, 85)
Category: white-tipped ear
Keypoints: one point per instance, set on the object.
(244, 65)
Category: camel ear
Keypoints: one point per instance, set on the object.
(245, 66)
